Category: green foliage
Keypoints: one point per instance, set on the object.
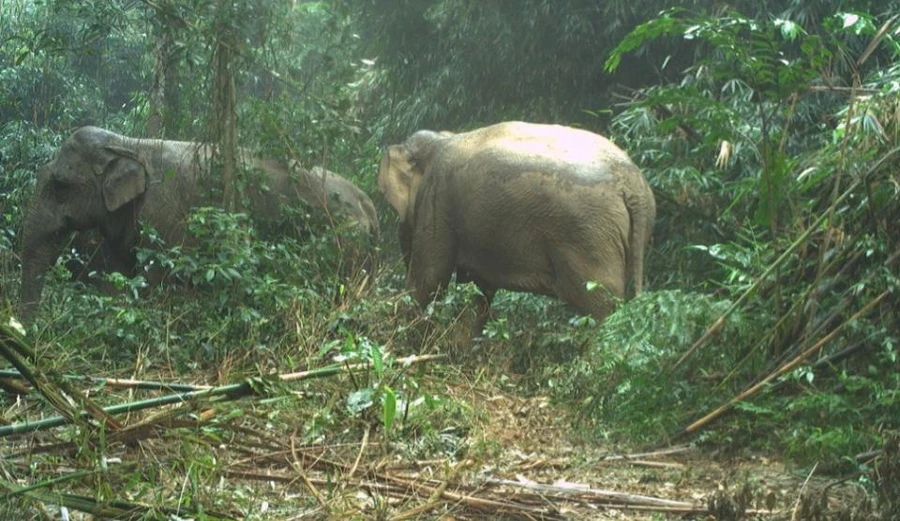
(623, 385)
(236, 297)
(59, 71)
(739, 108)
(744, 151)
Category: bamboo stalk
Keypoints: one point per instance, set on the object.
(123, 383)
(800, 494)
(714, 328)
(295, 463)
(802, 300)
(105, 509)
(434, 498)
(785, 368)
(14, 491)
(55, 390)
(56, 421)
(231, 391)
(873, 43)
(590, 492)
(362, 449)
(541, 494)
(642, 455)
(838, 311)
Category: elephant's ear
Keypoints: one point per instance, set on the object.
(124, 178)
(397, 178)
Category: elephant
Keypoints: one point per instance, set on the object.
(545, 209)
(114, 185)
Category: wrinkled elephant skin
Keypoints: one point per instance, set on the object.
(544, 209)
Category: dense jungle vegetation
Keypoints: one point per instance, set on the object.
(768, 329)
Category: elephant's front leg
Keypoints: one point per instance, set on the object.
(432, 262)
(121, 234)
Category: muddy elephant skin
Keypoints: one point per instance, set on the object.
(544, 209)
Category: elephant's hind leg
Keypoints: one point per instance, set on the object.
(481, 302)
(591, 288)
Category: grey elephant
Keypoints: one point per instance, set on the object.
(114, 184)
(544, 209)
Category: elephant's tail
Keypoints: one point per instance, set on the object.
(642, 212)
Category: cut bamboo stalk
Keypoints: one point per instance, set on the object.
(123, 383)
(55, 390)
(785, 368)
(226, 392)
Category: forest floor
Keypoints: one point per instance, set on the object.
(540, 468)
(541, 461)
(491, 451)
(522, 460)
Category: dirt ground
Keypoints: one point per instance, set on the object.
(525, 462)
(678, 482)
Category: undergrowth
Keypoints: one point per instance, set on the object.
(626, 385)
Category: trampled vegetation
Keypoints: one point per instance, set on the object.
(756, 377)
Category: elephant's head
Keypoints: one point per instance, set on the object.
(92, 183)
(401, 172)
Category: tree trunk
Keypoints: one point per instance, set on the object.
(163, 95)
(162, 50)
(225, 101)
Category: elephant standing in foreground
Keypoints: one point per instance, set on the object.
(544, 209)
(114, 184)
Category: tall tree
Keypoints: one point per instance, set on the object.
(163, 96)
(224, 96)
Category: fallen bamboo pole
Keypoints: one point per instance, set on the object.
(55, 390)
(643, 455)
(585, 491)
(785, 368)
(123, 383)
(544, 494)
(231, 391)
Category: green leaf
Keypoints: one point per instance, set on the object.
(377, 359)
(350, 345)
(789, 29)
(645, 32)
(360, 400)
(388, 409)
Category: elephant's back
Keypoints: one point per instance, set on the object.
(322, 189)
(173, 169)
(511, 149)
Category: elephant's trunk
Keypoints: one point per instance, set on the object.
(43, 239)
(404, 233)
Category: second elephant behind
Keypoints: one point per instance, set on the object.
(114, 185)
